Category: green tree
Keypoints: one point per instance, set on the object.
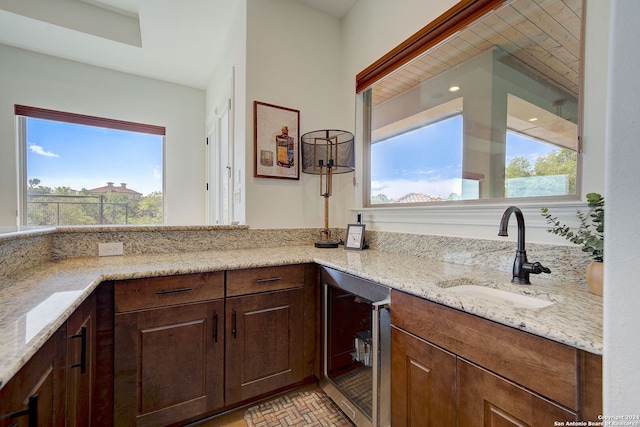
(149, 209)
(519, 167)
(559, 162)
(556, 162)
(65, 206)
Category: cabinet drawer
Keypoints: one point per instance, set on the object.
(153, 292)
(255, 280)
(544, 366)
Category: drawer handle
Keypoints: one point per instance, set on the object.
(233, 324)
(271, 279)
(215, 330)
(83, 350)
(173, 291)
(31, 412)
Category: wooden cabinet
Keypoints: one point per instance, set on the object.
(185, 347)
(62, 374)
(423, 386)
(35, 395)
(169, 349)
(503, 376)
(265, 331)
(487, 400)
(81, 362)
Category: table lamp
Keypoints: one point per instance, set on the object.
(325, 153)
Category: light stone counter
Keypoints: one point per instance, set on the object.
(35, 302)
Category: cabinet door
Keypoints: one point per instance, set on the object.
(35, 395)
(486, 400)
(80, 366)
(423, 383)
(168, 364)
(265, 343)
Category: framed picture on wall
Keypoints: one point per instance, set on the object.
(276, 134)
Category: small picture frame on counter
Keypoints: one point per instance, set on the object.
(355, 237)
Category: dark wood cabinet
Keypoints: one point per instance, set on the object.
(36, 394)
(62, 374)
(264, 332)
(487, 400)
(423, 386)
(168, 361)
(186, 347)
(503, 377)
(80, 366)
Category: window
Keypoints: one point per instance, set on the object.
(404, 168)
(83, 170)
(483, 104)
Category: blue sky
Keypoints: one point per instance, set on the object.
(68, 155)
(428, 160)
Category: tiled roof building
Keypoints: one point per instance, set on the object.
(110, 189)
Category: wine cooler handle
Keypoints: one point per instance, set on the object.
(375, 333)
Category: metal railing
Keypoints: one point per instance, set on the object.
(54, 209)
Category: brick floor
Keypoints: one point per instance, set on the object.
(302, 409)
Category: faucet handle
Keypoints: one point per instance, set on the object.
(535, 268)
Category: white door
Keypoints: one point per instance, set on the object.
(220, 164)
(226, 169)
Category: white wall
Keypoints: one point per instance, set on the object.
(621, 290)
(373, 27)
(294, 61)
(42, 81)
(233, 61)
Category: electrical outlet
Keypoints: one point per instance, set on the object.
(110, 249)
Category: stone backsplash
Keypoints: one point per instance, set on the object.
(19, 251)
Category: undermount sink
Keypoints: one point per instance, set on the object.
(500, 297)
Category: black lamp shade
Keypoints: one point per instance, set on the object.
(322, 149)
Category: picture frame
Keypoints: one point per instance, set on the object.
(276, 135)
(354, 239)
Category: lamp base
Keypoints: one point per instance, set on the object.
(327, 244)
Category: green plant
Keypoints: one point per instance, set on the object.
(590, 233)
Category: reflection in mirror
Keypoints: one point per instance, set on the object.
(492, 112)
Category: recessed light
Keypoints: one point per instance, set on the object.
(454, 88)
(533, 119)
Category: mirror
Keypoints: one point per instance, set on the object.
(491, 112)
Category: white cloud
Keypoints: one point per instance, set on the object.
(39, 150)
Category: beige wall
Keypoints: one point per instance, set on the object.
(42, 81)
(373, 27)
(294, 61)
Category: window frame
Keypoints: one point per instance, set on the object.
(22, 112)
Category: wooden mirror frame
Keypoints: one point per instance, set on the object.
(460, 15)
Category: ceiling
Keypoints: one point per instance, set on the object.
(160, 39)
(542, 35)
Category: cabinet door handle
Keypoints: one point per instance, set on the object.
(173, 291)
(83, 349)
(233, 324)
(215, 328)
(31, 412)
(270, 279)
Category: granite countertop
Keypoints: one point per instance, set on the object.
(38, 301)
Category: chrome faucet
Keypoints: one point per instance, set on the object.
(521, 267)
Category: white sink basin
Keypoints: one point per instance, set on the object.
(500, 297)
